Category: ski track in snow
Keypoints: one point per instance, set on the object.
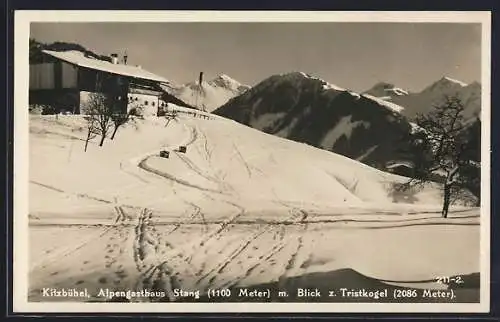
(143, 251)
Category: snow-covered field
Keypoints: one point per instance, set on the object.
(240, 207)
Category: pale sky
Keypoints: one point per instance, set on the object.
(351, 55)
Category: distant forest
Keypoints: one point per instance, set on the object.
(36, 47)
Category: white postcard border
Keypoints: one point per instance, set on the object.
(22, 21)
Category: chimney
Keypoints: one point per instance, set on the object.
(114, 58)
(125, 58)
(138, 66)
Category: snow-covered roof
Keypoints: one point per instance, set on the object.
(79, 59)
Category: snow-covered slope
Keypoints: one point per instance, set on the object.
(304, 108)
(422, 102)
(235, 160)
(240, 207)
(211, 94)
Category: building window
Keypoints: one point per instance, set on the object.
(153, 103)
(146, 103)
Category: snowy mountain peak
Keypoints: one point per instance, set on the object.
(225, 81)
(210, 95)
(449, 79)
(382, 101)
(307, 109)
(302, 75)
(421, 102)
(445, 85)
(226, 78)
(386, 91)
(398, 91)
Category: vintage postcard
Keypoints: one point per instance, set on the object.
(183, 161)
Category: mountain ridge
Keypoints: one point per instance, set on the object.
(307, 109)
(422, 102)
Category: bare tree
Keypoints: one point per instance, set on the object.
(118, 118)
(99, 110)
(446, 150)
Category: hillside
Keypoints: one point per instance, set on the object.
(302, 108)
